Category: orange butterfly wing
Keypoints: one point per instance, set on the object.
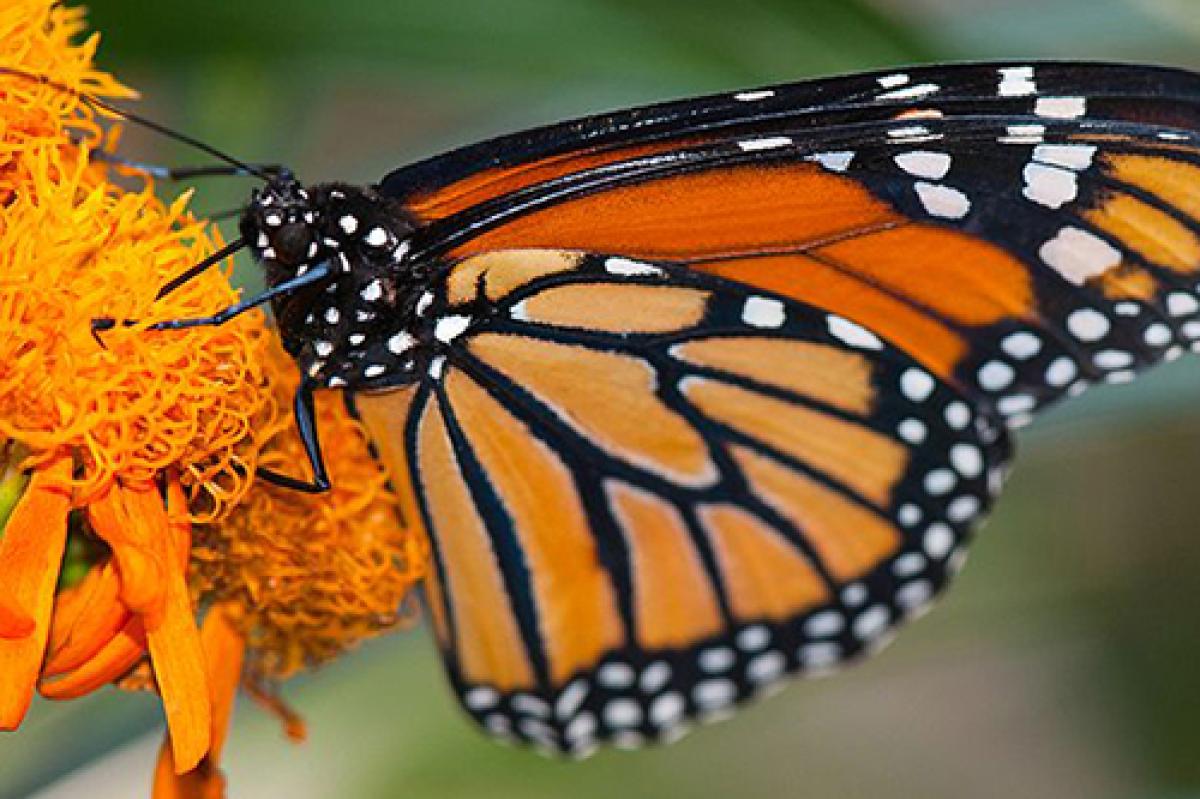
(725, 383)
(652, 493)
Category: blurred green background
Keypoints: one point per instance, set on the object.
(1064, 663)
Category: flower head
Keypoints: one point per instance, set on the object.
(135, 546)
(115, 431)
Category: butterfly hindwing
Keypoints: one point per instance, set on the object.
(653, 493)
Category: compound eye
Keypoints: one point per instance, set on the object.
(292, 242)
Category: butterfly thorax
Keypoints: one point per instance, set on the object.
(360, 327)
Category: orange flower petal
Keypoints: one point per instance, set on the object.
(132, 539)
(30, 556)
(14, 622)
(224, 652)
(113, 660)
(175, 649)
(203, 782)
(86, 618)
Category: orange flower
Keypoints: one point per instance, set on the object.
(295, 579)
(127, 509)
(121, 428)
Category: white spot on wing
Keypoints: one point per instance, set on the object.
(892, 81)
(1070, 156)
(1181, 304)
(765, 143)
(763, 312)
(938, 541)
(1061, 371)
(1050, 186)
(924, 164)
(348, 224)
(1113, 359)
(1060, 107)
(940, 481)
(449, 328)
(916, 384)
(1023, 134)
(480, 698)
(1016, 82)
(1088, 324)
(749, 97)
(910, 92)
(942, 201)
(1021, 345)
(912, 430)
(966, 459)
(1078, 254)
(1157, 335)
(838, 161)
(909, 132)
(850, 333)
(627, 268)
(996, 375)
(717, 659)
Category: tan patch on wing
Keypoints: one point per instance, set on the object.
(1144, 229)
(577, 611)
(1127, 282)
(503, 272)
(616, 308)
(607, 397)
(385, 416)
(1175, 182)
(764, 575)
(837, 377)
(674, 603)
(489, 644)
(862, 459)
(850, 539)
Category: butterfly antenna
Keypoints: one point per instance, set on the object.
(137, 119)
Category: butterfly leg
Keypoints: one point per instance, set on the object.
(306, 423)
(314, 275)
(196, 270)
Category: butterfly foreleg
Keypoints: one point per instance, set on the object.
(306, 424)
(313, 275)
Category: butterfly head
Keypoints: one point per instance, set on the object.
(281, 223)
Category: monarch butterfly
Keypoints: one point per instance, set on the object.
(693, 397)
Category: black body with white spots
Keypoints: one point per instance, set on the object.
(358, 326)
